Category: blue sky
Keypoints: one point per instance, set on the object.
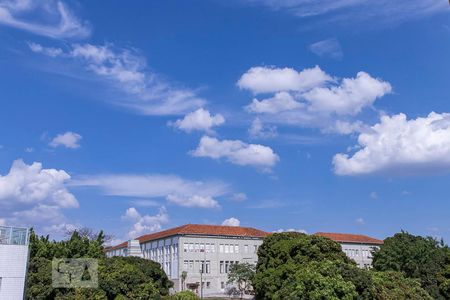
(134, 117)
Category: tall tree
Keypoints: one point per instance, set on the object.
(241, 275)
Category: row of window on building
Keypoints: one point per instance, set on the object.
(357, 253)
(164, 253)
(194, 266)
(211, 248)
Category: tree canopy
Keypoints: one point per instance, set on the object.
(299, 266)
(422, 258)
(118, 277)
(241, 275)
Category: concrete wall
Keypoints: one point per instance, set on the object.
(214, 280)
(13, 264)
(360, 253)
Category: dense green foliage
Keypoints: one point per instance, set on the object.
(300, 266)
(183, 295)
(241, 275)
(118, 277)
(417, 257)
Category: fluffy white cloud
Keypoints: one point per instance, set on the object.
(144, 224)
(282, 101)
(193, 201)
(330, 105)
(231, 222)
(69, 140)
(271, 80)
(260, 130)
(236, 152)
(350, 97)
(175, 189)
(327, 48)
(33, 196)
(32, 184)
(47, 18)
(127, 71)
(200, 119)
(399, 145)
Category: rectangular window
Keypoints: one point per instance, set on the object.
(227, 248)
(221, 269)
(208, 284)
(196, 247)
(231, 249)
(227, 264)
(221, 248)
(236, 248)
(246, 248)
(202, 247)
(191, 265)
(185, 265)
(191, 247)
(208, 264)
(222, 285)
(213, 248)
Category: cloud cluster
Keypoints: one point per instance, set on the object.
(236, 152)
(398, 145)
(143, 224)
(311, 98)
(200, 120)
(270, 79)
(68, 139)
(33, 196)
(175, 189)
(126, 70)
(231, 222)
(47, 18)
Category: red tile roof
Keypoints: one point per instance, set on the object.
(350, 238)
(198, 229)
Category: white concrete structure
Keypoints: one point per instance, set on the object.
(356, 246)
(13, 262)
(204, 252)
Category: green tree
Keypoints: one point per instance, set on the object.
(392, 285)
(184, 295)
(183, 279)
(242, 276)
(282, 255)
(423, 258)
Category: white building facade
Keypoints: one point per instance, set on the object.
(13, 262)
(204, 252)
(356, 246)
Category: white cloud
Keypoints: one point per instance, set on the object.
(200, 120)
(126, 70)
(33, 196)
(260, 130)
(193, 201)
(399, 145)
(68, 139)
(32, 184)
(173, 188)
(352, 11)
(360, 221)
(47, 18)
(231, 222)
(271, 80)
(236, 152)
(332, 106)
(282, 101)
(350, 97)
(144, 224)
(290, 230)
(374, 195)
(239, 197)
(327, 48)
